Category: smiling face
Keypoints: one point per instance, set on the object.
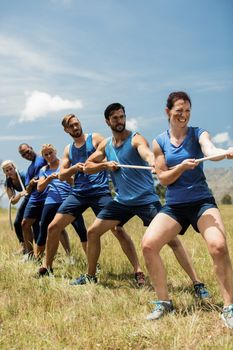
(179, 114)
(27, 152)
(117, 121)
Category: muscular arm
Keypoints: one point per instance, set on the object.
(143, 149)
(44, 181)
(67, 171)
(168, 176)
(96, 162)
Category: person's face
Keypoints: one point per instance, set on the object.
(117, 121)
(9, 170)
(74, 128)
(179, 115)
(49, 155)
(27, 152)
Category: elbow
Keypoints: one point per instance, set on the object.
(39, 188)
(162, 180)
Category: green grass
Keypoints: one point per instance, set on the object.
(50, 314)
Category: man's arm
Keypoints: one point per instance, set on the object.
(142, 146)
(96, 162)
(67, 171)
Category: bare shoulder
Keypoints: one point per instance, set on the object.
(97, 139)
(138, 139)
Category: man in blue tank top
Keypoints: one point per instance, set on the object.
(89, 190)
(34, 207)
(135, 193)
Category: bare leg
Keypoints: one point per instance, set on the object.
(183, 259)
(211, 227)
(27, 234)
(39, 251)
(55, 228)
(64, 239)
(161, 230)
(98, 228)
(128, 247)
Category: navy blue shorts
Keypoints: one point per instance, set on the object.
(33, 210)
(48, 214)
(189, 213)
(123, 213)
(75, 205)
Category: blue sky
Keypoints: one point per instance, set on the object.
(58, 57)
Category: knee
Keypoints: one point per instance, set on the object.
(218, 249)
(53, 229)
(92, 234)
(25, 224)
(149, 247)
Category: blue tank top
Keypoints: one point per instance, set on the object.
(132, 186)
(33, 172)
(87, 184)
(57, 190)
(191, 185)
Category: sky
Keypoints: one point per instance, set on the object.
(78, 56)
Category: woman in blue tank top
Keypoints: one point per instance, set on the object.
(188, 201)
(57, 191)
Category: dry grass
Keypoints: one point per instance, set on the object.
(50, 314)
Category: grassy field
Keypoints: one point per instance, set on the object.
(50, 314)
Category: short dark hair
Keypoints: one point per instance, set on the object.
(175, 96)
(23, 144)
(111, 108)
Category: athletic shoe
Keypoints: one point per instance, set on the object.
(84, 279)
(227, 316)
(139, 279)
(28, 257)
(161, 308)
(200, 291)
(43, 272)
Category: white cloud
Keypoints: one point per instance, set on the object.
(132, 124)
(222, 138)
(39, 104)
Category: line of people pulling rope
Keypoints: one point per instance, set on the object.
(58, 193)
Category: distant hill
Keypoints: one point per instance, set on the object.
(220, 181)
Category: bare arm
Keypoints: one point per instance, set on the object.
(13, 196)
(67, 171)
(96, 162)
(142, 146)
(44, 181)
(168, 176)
(209, 149)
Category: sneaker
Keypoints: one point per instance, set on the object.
(43, 271)
(161, 308)
(200, 291)
(227, 316)
(84, 279)
(28, 257)
(139, 279)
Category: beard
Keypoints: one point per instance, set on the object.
(76, 133)
(118, 128)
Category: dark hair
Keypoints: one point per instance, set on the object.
(175, 96)
(111, 108)
(23, 144)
